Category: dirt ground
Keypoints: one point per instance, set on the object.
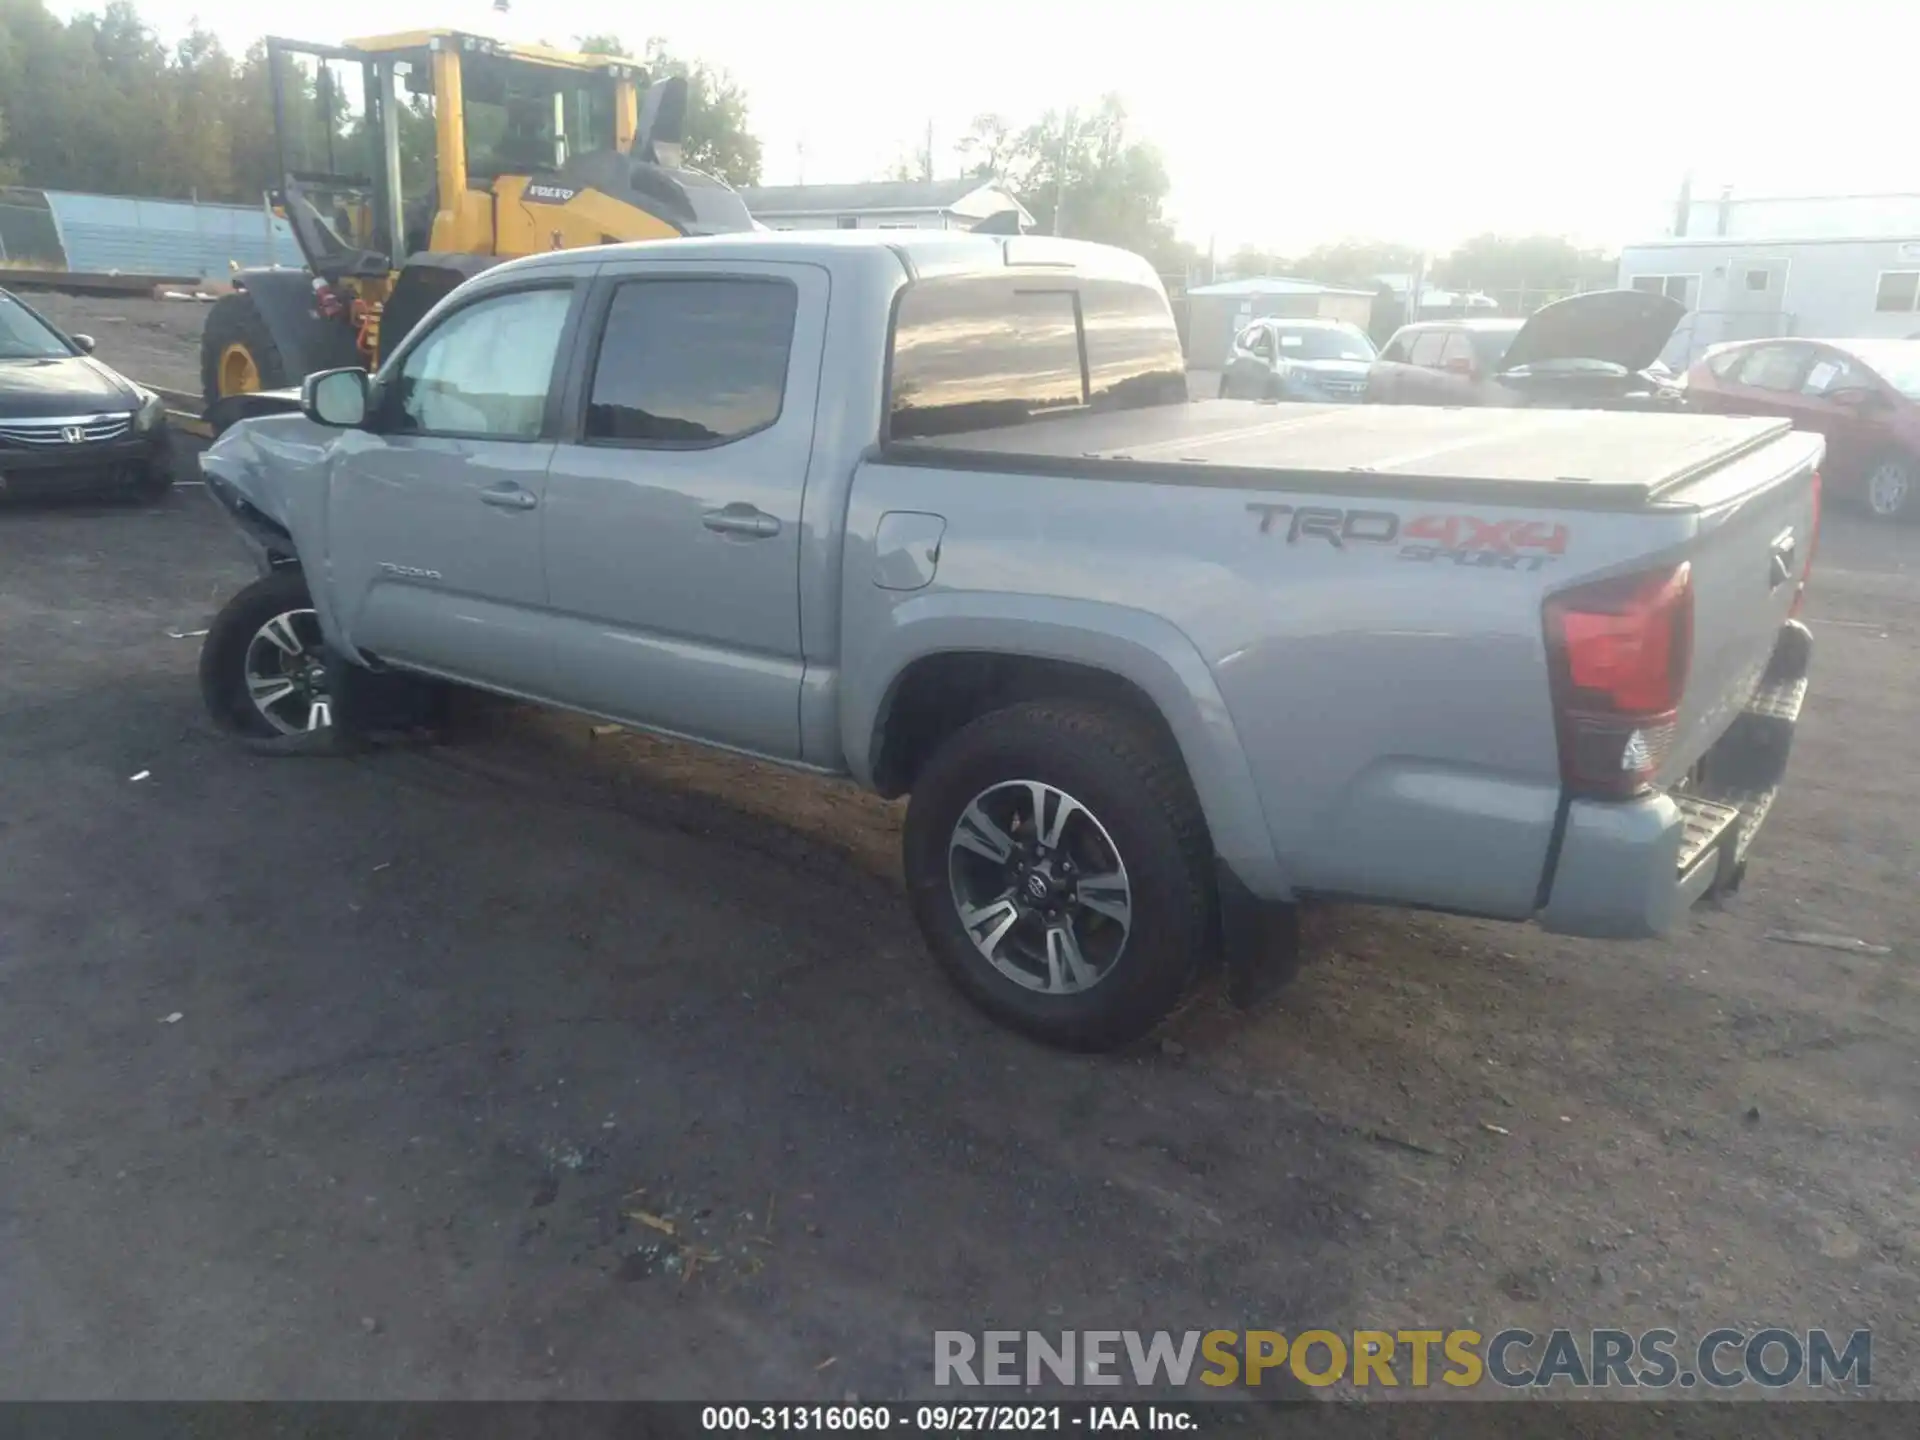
(354, 1078)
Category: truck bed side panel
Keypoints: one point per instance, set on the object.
(1383, 670)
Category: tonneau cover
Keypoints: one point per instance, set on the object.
(1597, 457)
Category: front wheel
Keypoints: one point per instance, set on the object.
(264, 667)
(1058, 866)
(1890, 488)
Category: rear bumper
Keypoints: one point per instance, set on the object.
(1632, 869)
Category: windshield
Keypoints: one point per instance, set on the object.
(525, 119)
(1898, 362)
(25, 336)
(1323, 342)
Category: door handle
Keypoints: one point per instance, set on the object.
(509, 497)
(740, 518)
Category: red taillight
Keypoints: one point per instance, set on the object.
(1813, 544)
(1619, 651)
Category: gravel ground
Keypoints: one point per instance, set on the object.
(352, 1078)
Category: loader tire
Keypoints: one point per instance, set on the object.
(237, 350)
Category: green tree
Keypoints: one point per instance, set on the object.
(1250, 260)
(1356, 262)
(718, 139)
(989, 146)
(9, 169)
(1083, 174)
(1526, 269)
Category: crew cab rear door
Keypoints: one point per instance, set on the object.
(673, 534)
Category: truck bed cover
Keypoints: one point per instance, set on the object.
(1589, 459)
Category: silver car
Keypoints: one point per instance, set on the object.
(1323, 360)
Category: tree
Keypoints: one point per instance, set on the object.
(1250, 261)
(1082, 174)
(989, 147)
(717, 139)
(1531, 268)
(9, 170)
(1356, 262)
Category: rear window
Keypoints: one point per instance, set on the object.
(977, 351)
(1491, 346)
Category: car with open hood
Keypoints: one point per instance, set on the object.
(68, 422)
(1600, 350)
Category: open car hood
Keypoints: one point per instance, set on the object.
(1627, 328)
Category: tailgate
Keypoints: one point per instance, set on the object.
(1757, 518)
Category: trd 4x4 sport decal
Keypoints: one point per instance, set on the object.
(1485, 544)
(1338, 528)
(1463, 539)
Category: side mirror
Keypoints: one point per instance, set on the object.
(335, 397)
(1855, 397)
(85, 342)
(1459, 365)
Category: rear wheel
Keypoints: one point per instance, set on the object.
(1890, 488)
(1059, 868)
(237, 351)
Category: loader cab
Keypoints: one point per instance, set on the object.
(412, 162)
(400, 144)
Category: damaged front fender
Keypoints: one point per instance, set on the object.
(269, 475)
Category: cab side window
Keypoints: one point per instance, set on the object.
(484, 371)
(1428, 346)
(1457, 352)
(692, 362)
(1778, 368)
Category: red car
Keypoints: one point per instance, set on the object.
(1863, 395)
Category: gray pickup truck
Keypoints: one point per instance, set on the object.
(934, 512)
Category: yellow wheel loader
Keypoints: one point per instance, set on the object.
(411, 162)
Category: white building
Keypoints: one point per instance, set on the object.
(1845, 266)
(884, 205)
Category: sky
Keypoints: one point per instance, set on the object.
(1284, 126)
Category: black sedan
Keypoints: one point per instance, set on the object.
(68, 423)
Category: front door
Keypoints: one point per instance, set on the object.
(673, 521)
(435, 511)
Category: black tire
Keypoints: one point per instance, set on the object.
(1134, 784)
(236, 320)
(154, 478)
(223, 654)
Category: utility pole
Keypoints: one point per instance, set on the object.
(926, 168)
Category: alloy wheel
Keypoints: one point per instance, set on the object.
(1040, 887)
(1888, 489)
(286, 673)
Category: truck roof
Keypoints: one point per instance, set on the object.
(922, 253)
(1590, 459)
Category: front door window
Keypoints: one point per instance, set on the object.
(485, 371)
